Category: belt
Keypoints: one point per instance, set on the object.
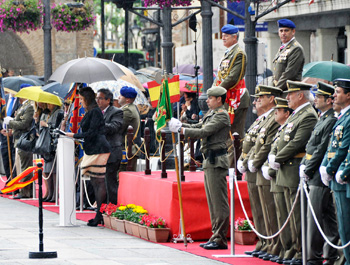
(300, 155)
(217, 153)
(308, 156)
(331, 155)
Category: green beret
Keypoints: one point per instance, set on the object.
(216, 91)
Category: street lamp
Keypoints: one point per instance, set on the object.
(135, 30)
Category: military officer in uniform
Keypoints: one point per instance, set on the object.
(320, 195)
(231, 72)
(214, 131)
(242, 166)
(256, 158)
(335, 160)
(290, 151)
(282, 112)
(289, 61)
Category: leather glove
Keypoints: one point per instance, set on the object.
(240, 166)
(302, 174)
(251, 167)
(174, 125)
(325, 177)
(338, 177)
(265, 172)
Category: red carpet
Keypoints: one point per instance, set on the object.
(191, 247)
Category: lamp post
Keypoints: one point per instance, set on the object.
(135, 30)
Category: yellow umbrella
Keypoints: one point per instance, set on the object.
(37, 94)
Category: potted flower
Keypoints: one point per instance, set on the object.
(21, 16)
(133, 215)
(117, 219)
(244, 234)
(72, 16)
(156, 228)
(107, 210)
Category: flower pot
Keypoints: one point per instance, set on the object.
(159, 235)
(245, 237)
(107, 221)
(135, 229)
(128, 227)
(117, 224)
(143, 232)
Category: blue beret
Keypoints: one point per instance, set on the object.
(128, 92)
(229, 29)
(286, 23)
(25, 85)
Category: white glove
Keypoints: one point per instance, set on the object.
(240, 166)
(7, 120)
(302, 174)
(324, 175)
(276, 166)
(338, 178)
(174, 125)
(251, 166)
(271, 159)
(265, 172)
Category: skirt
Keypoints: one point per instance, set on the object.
(94, 165)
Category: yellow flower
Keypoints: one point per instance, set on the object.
(131, 206)
(122, 208)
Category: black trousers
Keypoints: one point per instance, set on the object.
(111, 181)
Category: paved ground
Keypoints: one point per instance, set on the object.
(80, 245)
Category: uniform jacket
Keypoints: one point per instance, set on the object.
(288, 64)
(291, 145)
(214, 131)
(93, 133)
(338, 148)
(132, 118)
(23, 120)
(262, 146)
(248, 143)
(113, 118)
(317, 147)
(232, 67)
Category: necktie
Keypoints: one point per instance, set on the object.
(9, 110)
(103, 112)
(281, 48)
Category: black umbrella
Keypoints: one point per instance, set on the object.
(57, 89)
(87, 70)
(39, 79)
(13, 83)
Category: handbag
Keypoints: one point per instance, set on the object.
(44, 143)
(27, 140)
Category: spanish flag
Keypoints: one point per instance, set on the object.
(174, 90)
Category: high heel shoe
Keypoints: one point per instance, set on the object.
(95, 222)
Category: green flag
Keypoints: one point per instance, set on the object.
(163, 111)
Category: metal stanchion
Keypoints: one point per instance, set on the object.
(303, 222)
(41, 254)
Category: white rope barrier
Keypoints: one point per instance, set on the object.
(251, 225)
(318, 224)
(53, 166)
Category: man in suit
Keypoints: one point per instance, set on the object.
(214, 131)
(12, 104)
(131, 117)
(230, 76)
(113, 118)
(335, 162)
(242, 166)
(22, 123)
(289, 61)
(290, 151)
(282, 112)
(256, 158)
(320, 195)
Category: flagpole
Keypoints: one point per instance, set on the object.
(179, 190)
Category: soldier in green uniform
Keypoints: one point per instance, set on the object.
(256, 158)
(289, 61)
(335, 160)
(214, 131)
(242, 166)
(290, 151)
(320, 195)
(231, 73)
(282, 112)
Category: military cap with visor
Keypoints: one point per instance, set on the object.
(281, 103)
(294, 86)
(216, 91)
(324, 89)
(343, 83)
(262, 90)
